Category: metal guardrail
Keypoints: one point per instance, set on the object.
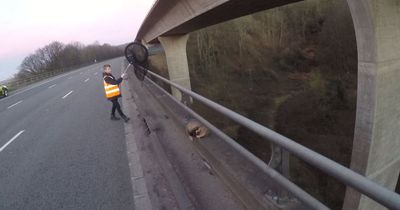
(365, 186)
(15, 84)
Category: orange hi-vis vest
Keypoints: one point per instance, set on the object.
(111, 90)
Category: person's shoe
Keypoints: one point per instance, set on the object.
(126, 119)
(113, 117)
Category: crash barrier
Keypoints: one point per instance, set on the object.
(15, 84)
(350, 178)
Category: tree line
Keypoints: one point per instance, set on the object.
(59, 56)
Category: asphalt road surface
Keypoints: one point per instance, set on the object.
(58, 147)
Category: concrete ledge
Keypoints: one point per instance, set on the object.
(140, 194)
(246, 181)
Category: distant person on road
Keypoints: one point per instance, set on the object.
(111, 86)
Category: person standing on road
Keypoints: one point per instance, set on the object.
(111, 87)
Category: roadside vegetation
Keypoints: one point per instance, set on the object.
(57, 58)
(60, 57)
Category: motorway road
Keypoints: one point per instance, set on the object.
(58, 147)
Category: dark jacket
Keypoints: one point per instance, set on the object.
(110, 79)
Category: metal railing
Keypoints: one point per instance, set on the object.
(15, 84)
(365, 186)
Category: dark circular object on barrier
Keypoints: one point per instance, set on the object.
(136, 53)
(140, 72)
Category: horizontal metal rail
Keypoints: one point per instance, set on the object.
(14, 84)
(365, 186)
(274, 175)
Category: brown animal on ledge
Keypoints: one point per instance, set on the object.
(197, 130)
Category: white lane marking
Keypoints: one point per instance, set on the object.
(30, 87)
(14, 104)
(13, 138)
(52, 86)
(69, 77)
(68, 94)
(40, 84)
(86, 80)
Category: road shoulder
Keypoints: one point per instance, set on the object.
(140, 193)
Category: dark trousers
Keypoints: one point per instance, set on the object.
(117, 107)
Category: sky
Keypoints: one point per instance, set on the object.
(26, 25)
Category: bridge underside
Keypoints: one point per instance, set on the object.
(176, 17)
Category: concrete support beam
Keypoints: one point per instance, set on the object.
(178, 67)
(376, 146)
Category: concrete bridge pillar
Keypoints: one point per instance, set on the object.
(178, 67)
(376, 146)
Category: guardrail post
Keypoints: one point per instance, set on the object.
(280, 162)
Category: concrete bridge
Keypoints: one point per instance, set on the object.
(376, 150)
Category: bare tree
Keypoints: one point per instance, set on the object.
(57, 56)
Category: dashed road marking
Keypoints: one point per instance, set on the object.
(52, 86)
(86, 80)
(11, 140)
(14, 104)
(67, 94)
(37, 85)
